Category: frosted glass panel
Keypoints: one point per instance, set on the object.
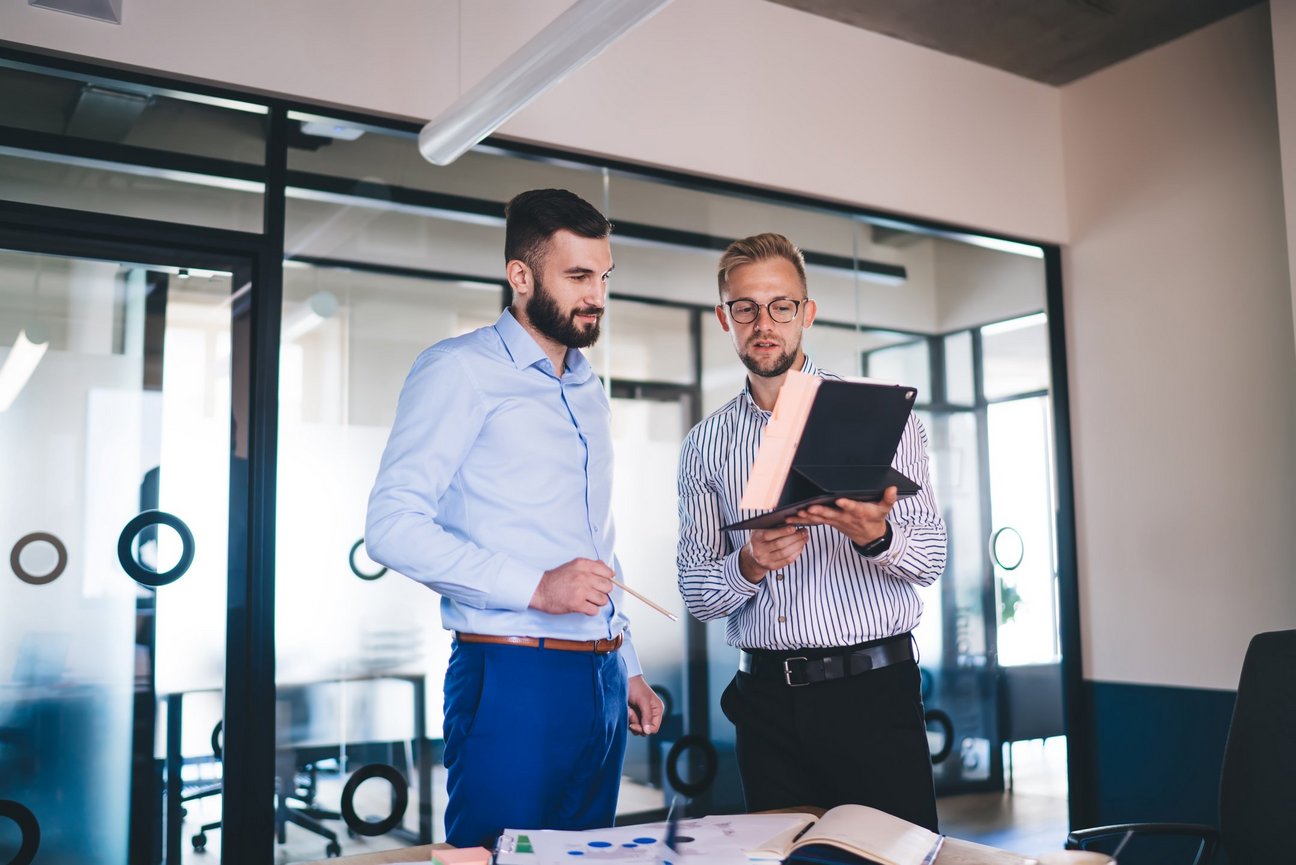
(114, 405)
(360, 651)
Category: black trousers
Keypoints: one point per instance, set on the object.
(858, 740)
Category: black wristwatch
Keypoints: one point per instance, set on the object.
(877, 546)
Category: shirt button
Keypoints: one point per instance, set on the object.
(778, 576)
(782, 618)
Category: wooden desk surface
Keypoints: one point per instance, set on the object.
(422, 853)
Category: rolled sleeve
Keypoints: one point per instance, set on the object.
(918, 538)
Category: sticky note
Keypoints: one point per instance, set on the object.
(462, 856)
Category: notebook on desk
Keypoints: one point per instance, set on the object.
(825, 440)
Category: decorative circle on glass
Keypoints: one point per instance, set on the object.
(145, 575)
(710, 762)
(946, 723)
(217, 740)
(400, 800)
(1007, 549)
(28, 826)
(355, 569)
(15, 558)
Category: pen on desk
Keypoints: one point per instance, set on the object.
(665, 612)
(930, 858)
(672, 825)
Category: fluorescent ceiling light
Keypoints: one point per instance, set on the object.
(572, 39)
(21, 361)
(331, 129)
(862, 272)
(1008, 326)
(191, 177)
(998, 244)
(319, 307)
(199, 98)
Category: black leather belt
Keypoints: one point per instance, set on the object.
(795, 670)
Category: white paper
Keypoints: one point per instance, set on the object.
(715, 840)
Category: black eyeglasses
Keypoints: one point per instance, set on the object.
(781, 310)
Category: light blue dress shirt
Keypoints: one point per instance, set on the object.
(497, 470)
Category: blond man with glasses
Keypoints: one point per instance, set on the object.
(826, 701)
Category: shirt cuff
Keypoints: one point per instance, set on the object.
(734, 578)
(630, 656)
(894, 553)
(515, 586)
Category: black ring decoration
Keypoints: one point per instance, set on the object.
(668, 701)
(399, 787)
(35, 537)
(994, 553)
(216, 739)
(941, 719)
(355, 548)
(148, 576)
(29, 827)
(710, 758)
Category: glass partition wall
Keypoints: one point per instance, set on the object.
(382, 255)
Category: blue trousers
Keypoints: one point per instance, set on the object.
(534, 739)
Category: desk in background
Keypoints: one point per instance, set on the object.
(422, 763)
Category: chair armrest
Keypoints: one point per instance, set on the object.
(1079, 839)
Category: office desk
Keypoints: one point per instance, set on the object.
(422, 758)
(953, 852)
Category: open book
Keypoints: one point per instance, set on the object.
(860, 835)
(853, 833)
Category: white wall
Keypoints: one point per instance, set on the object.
(1180, 351)
(1283, 23)
(740, 89)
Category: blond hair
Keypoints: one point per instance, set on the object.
(759, 247)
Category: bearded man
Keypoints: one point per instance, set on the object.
(495, 491)
(826, 701)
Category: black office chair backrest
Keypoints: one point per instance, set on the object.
(1258, 781)
(1030, 702)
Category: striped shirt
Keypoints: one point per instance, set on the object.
(830, 595)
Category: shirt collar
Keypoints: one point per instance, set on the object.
(807, 366)
(525, 351)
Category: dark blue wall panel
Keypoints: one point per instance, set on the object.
(1157, 752)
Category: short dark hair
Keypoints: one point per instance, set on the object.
(533, 217)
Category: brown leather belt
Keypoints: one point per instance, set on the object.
(598, 647)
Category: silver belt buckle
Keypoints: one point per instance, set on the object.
(787, 673)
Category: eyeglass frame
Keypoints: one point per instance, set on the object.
(728, 305)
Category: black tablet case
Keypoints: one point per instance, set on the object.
(847, 445)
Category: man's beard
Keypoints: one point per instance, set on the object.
(775, 368)
(548, 318)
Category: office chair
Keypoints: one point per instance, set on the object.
(204, 788)
(1258, 778)
(1030, 705)
(296, 783)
